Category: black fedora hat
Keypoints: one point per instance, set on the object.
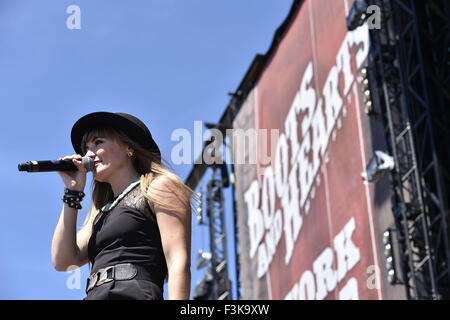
(128, 124)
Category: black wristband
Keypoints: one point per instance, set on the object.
(73, 198)
(70, 192)
(72, 202)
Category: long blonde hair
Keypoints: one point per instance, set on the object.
(147, 164)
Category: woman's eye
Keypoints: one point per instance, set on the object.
(97, 142)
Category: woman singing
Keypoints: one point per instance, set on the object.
(138, 229)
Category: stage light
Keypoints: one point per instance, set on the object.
(389, 256)
(379, 163)
(203, 258)
(365, 83)
(387, 249)
(357, 15)
(389, 262)
(368, 107)
(364, 72)
(386, 236)
(391, 276)
(366, 95)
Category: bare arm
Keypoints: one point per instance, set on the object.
(175, 229)
(69, 248)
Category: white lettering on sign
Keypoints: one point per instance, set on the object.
(346, 251)
(318, 284)
(290, 179)
(255, 220)
(325, 275)
(350, 290)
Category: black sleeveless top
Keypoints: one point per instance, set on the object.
(128, 233)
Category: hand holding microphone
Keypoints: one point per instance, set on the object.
(72, 169)
(62, 164)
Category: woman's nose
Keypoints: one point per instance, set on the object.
(90, 154)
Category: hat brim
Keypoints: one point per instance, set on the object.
(138, 133)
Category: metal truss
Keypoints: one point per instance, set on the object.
(218, 239)
(237, 252)
(419, 201)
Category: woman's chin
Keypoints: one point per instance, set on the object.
(97, 177)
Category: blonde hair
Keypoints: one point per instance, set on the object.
(147, 164)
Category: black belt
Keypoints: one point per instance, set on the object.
(123, 271)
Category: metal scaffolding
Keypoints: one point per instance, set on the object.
(218, 238)
(401, 76)
(216, 285)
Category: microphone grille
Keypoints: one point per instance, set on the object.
(88, 163)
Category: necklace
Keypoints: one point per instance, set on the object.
(109, 206)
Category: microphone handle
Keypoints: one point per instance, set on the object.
(59, 165)
(48, 165)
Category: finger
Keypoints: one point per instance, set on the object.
(74, 156)
(79, 165)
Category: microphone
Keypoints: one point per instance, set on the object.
(55, 165)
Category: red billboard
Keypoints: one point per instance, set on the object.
(305, 214)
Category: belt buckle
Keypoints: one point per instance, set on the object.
(102, 276)
(91, 282)
(98, 278)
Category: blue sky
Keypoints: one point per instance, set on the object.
(168, 62)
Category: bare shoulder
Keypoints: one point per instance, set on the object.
(162, 182)
(167, 192)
